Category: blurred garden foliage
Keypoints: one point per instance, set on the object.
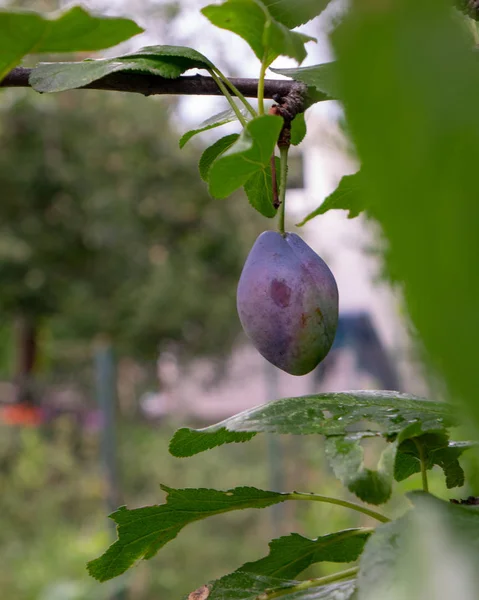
(107, 229)
(53, 514)
(52, 518)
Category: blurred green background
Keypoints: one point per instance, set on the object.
(53, 510)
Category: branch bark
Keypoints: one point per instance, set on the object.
(196, 85)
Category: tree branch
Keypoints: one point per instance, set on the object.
(196, 85)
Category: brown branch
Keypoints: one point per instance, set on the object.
(196, 85)
(288, 107)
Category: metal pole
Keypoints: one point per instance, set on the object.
(275, 453)
(105, 381)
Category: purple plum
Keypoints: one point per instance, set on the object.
(287, 302)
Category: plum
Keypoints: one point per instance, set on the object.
(287, 302)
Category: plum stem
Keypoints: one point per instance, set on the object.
(274, 182)
(283, 156)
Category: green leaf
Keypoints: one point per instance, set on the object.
(212, 152)
(245, 18)
(322, 81)
(298, 129)
(144, 531)
(409, 85)
(290, 555)
(248, 155)
(164, 61)
(293, 13)
(347, 196)
(226, 116)
(437, 450)
(378, 557)
(189, 56)
(72, 31)
(332, 413)
(431, 550)
(188, 442)
(249, 586)
(281, 41)
(244, 586)
(59, 77)
(251, 20)
(324, 78)
(77, 31)
(259, 190)
(346, 457)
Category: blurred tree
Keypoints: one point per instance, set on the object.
(106, 228)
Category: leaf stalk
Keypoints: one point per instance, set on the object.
(229, 98)
(262, 75)
(345, 503)
(311, 583)
(237, 93)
